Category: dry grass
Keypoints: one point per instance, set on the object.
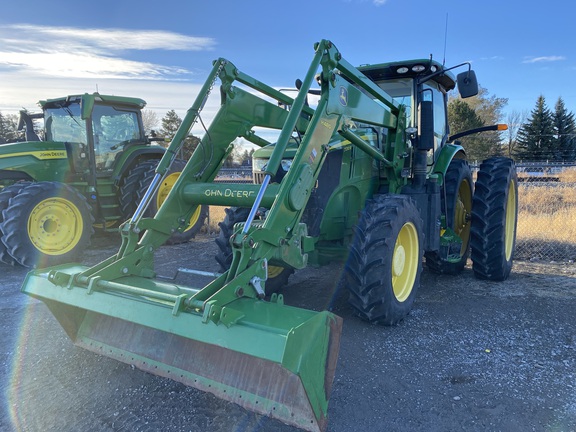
(547, 219)
(568, 175)
(216, 215)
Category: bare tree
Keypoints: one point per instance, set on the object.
(150, 120)
(514, 119)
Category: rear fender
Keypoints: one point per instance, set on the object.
(129, 157)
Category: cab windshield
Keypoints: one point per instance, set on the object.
(64, 124)
(112, 128)
(401, 92)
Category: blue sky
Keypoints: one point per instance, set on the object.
(162, 51)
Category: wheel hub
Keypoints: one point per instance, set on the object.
(399, 260)
(405, 261)
(55, 226)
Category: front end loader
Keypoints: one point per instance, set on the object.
(348, 179)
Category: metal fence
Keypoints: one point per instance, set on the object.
(546, 221)
(546, 228)
(235, 175)
(546, 209)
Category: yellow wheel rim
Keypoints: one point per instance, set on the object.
(55, 226)
(274, 271)
(462, 214)
(510, 220)
(165, 189)
(405, 261)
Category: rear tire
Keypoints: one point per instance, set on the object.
(494, 217)
(457, 203)
(198, 218)
(131, 184)
(383, 269)
(6, 194)
(47, 223)
(277, 276)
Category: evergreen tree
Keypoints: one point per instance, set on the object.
(170, 124)
(535, 141)
(8, 128)
(565, 131)
(2, 130)
(462, 118)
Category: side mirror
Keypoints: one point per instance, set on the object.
(467, 84)
(425, 125)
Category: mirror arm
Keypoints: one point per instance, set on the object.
(441, 71)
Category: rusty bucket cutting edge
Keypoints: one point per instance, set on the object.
(282, 372)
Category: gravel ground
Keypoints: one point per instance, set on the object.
(472, 356)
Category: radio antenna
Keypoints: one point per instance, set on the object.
(445, 39)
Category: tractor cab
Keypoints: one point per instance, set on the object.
(415, 81)
(93, 127)
(422, 87)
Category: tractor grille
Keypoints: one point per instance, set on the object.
(258, 177)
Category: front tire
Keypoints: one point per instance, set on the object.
(494, 217)
(277, 276)
(47, 223)
(383, 270)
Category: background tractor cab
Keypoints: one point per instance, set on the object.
(104, 124)
(91, 169)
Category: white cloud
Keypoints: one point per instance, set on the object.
(117, 39)
(543, 59)
(379, 2)
(492, 58)
(41, 62)
(90, 53)
(86, 65)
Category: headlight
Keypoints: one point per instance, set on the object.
(286, 164)
(259, 164)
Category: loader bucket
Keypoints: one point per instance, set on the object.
(270, 358)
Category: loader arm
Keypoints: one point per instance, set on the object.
(347, 96)
(224, 337)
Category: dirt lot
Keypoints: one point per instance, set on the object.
(472, 356)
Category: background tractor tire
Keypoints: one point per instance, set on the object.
(130, 185)
(383, 269)
(6, 194)
(197, 220)
(277, 276)
(47, 223)
(456, 199)
(494, 217)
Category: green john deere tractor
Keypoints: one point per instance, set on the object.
(368, 176)
(90, 170)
